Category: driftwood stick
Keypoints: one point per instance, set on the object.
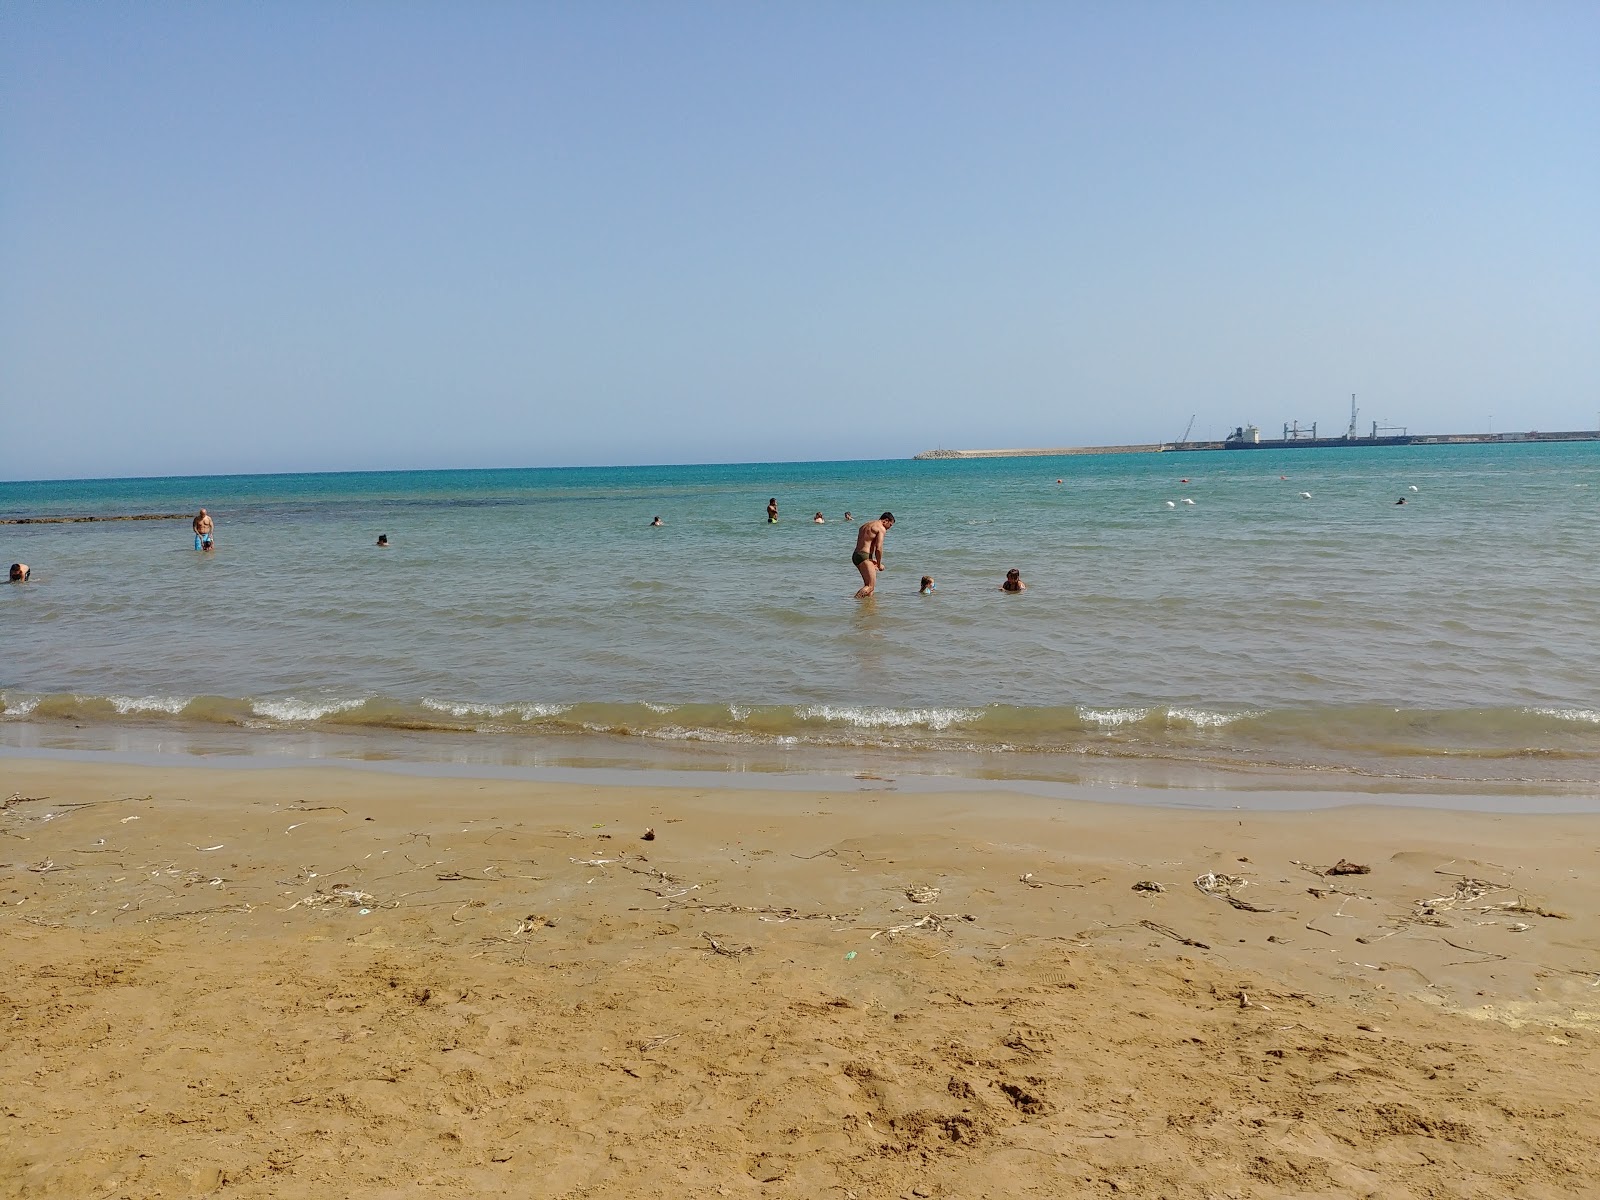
(1174, 935)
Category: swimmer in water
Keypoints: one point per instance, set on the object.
(655, 523)
(926, 587)
(1402, 500)
(20, 572)
(868, 556)
(1013, 582)
(847, 515)
(383, 540)
(818, 519)
(772, 511)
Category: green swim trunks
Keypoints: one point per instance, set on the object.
(859, 557)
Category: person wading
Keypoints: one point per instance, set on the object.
(868, 556)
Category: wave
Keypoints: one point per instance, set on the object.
(1379, 739)
(171, 705)
(937, 719)
(522, 712)
(291, 711)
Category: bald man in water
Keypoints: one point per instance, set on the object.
(202, 529)
(868, 556)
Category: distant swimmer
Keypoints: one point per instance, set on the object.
(772, 511)
(206, 544)
(1183, 481)
(847, 515)
(1013, 582)
(1058, 481)
(818, 519)
(655, 523)
(383, 540)
(20, 572)
(868, 556)
(926, 586)
(1402, 500)
(202, 529)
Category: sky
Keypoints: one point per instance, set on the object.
(384, 234)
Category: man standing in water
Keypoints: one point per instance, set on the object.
(868, 557)
(202, 529)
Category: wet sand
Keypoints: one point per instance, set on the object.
(331, 982)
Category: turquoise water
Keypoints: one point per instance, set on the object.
(1453, 637)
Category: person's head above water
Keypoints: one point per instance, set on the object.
(656, 521)
(926, 585)
(383, 539)
(19, 572)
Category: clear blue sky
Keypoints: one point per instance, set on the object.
(309, 235)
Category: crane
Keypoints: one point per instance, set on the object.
(1187, 429)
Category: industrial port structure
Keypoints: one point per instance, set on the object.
(1295, 437)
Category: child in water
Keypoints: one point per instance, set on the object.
(1013, 582)
(926, 587)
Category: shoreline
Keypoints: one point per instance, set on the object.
(1141, 785)
(1553, 771)
(302, 981)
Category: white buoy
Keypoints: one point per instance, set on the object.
(1413, 487)
(1305, 495)
(1186, 500)
(1170, 504)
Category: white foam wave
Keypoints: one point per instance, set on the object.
(889, 718)
(1201, 718)
(660, 708)
(291, 709)
(523, 712)
(1585, 716)
(19, 708)
(678, 733)
(171, 705)
(1110, 718)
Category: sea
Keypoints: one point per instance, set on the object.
(1235, 616)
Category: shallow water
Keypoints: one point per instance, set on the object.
(1450, 638)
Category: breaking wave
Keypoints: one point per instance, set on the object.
(1374, 739)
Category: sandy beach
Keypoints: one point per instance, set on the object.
(336, 982)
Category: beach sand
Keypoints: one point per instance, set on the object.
(343, 983)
